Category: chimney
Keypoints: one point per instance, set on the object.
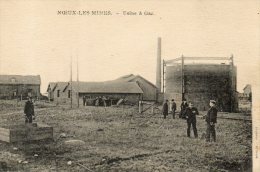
(158, 69)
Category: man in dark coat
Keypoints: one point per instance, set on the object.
(190, 114)
(184, 105)
(173, 108)
(29, 110)
(211, 120)
(165, 109)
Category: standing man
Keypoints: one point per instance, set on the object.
(165, 109)
(211, 120)
(184, 105)
(29, 110)
(173, 108)
(190, 114)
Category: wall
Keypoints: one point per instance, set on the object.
(132, 98)
(50, 95)
(203, 83)
(173, 84)
(148, 89)
(7, 90)
(63, 97)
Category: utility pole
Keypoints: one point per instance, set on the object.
(231, 83)
(70, 81)
(182, 77)
(163, 77)
(78, 80)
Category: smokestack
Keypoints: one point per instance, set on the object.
(158, 69)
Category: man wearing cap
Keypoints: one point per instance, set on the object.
(173, 107)
(211, 120)
(165, 109)
(184, 105)
(29, 110)
(190, 114)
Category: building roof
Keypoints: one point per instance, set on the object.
(131, 78)
(124, 84)
(247, 86)
(97, 87)
(126, 78)
(106, 87)
(61, 86)
(19, 79)
(51, 86)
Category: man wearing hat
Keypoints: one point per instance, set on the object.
(190, 114)
(173, 108)
(29, 110)
(211, 120)
(165, 109)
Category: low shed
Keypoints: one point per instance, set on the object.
(131, 92)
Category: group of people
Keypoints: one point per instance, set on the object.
(98, 101)
(189, 112)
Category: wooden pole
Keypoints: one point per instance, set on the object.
(78, 80)
(182, 76)
(231, 83)
(140, 106)
(70, 81)
(163, 76)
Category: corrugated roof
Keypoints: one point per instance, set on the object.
(107, 87)
(126, 78)
(132, 77)
(19, 79)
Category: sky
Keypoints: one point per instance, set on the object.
(34, 40)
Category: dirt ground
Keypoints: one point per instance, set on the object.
(120, 139)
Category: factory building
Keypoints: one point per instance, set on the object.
(189, 78)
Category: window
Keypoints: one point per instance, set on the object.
(58, 93)
(69, 93)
